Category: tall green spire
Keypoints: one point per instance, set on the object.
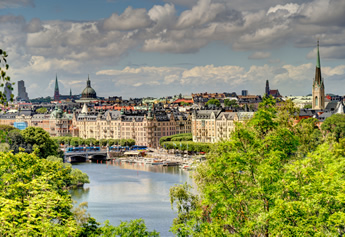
(56, 84)
(318, 56)
(56, 90)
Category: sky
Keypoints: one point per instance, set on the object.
(159, 48)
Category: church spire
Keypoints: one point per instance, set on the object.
(318, 65)
(318, 85)
(56, 90)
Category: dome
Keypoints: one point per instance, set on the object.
(88, 92)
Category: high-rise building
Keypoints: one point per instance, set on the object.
(8, 91)
(22, 94)
(318, 92)
(244, 92)
(56, 90)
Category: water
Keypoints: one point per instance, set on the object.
(123, 192)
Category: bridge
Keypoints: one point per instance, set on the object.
(83, 156)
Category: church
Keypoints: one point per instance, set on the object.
(318, 92)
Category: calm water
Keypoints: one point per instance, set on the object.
(124, 192)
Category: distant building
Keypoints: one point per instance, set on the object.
(88, 94)
(318, 85)
(275, 93)
(8, 91)
(22, 94)
(58, 96)
(244, 93)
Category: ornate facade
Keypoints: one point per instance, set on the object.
(146, 128)
(215, 125)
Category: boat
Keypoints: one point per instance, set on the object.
(170, 163)
(157, 162)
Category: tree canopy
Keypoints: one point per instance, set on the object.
(40, 139)
(214, 102)
(269, 179)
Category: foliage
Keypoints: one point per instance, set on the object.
(40, 139)
(47, 99)
(33, 198)
(231, 103)
(16, 141)
(270, 178)
(186, 203)
(6, 128)
(334, 126)
(128, 229)
(79, 178)
(188, 146)
(214, 102)
(4, 147)
(176, 137)
(309, 136)
(307, 106)
(4, 78)
(42, 110)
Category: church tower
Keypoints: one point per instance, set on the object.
(318, 85)
(267, 89)
(56, 90)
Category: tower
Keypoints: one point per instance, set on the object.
(22, 94)
(267, 89)
(56, 90)
(318, 85)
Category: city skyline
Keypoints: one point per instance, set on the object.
(158, 48)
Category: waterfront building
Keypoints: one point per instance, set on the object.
(318, 92)
(145, 127)
(216, 125)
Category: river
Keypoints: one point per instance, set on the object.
(122, 192)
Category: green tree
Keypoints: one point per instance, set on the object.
(4, 78)
(309, 136)
(33, 198)
(231, 103)
(16, 141)
(213, 102)
(334, 126)
(128, 229)
(42, 110)
(256, 185)
(40, 139)
(308, 106)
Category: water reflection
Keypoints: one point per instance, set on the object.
(123, 191)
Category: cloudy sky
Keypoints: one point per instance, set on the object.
(138, 48)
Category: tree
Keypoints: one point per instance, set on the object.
(33, 198)
(42, 110)
(231, 103)
(256, 184)
(4, 77)
(308, 106)
(214, 102)
(127, 229)
(334, 126)
(41, 140)
(309, 136)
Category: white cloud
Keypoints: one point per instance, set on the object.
(130, 19)
(260, 55)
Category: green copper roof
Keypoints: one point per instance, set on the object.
(318, 56)
(56, 84)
